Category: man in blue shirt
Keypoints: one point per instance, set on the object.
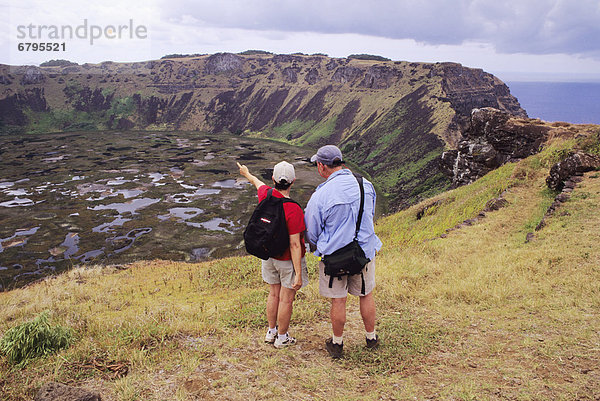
(330, 217)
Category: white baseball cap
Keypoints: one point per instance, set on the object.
(284, 171)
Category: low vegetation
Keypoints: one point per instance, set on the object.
(475, 313)
(254, 52)
(368, 57)
(33, 339)
(175, 55)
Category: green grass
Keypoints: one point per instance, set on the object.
(34, 339)
(288, 130)
(63, 121)
(59, 120)
(322, 130)
(454, 207)
(403, 343)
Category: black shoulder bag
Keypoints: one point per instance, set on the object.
(350, 259)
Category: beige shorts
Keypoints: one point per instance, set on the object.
(345, 285)
(282, 272)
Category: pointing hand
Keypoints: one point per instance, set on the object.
(243, 169)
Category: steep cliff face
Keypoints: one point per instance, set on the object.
(393, 118)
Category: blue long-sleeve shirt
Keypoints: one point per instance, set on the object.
(331, 214)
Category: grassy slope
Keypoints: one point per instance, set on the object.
(477, 315)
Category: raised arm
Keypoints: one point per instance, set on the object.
(246, 173)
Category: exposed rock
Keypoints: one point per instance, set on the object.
(223, 62)
(541, 224)
(32, 75)
(125, 124)
(575, 163)
(155, 110)
(86, 99)
(346, 74)
(380, 77)
(12, 108)
(426, 208)
(492, 139)
(285, 58)
(495, 204)
(70, 69)
(332, 64)
(312, 76)
(345, 120)
(562, 197)
(183, 70)
(61, 392)
(4, 80)
(290, 75)
(469, 88)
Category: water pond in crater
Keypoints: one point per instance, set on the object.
(116, 197)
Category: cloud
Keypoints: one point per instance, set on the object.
(511, 26)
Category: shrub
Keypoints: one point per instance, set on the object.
(253, 52)
(181, 55)
(34, 339)
(368, 57)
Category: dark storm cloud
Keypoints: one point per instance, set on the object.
(512, 26)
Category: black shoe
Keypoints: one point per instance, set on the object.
(335, 350)
(372, 344)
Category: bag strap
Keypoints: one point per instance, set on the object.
(283, 200)
(362, 204)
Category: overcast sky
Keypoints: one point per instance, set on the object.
(513, 39)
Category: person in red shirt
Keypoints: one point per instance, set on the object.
(287, 273)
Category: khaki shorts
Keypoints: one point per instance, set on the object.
(282, 272)
(345, 285)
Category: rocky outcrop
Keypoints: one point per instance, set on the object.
(380, 77)
(290, 75)
(223, 62)
(12, 107)
(347, 74)
(88, 100)
(492, 139)
(32, 76)
(157, 110)
(61, 392)
(564, 177)
(576, 163)
(567, 187)
(312, 76)
(470, 88)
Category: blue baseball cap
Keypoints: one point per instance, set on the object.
(327, 155)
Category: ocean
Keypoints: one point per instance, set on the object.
(573, 102)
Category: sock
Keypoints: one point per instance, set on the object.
(273, 330)
(372, 335)
(282, 337)
(338, 340)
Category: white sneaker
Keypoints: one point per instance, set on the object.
(270, 338)
(289, 340)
